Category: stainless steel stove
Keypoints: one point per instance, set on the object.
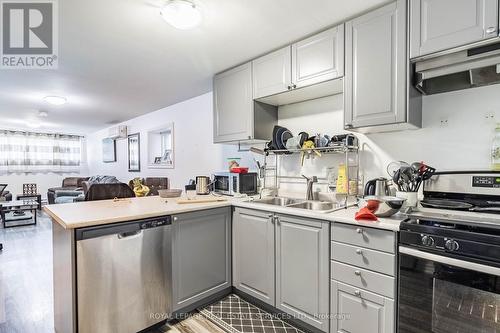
(449, 257)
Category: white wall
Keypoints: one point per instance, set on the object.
(195, 154)
(464, 143)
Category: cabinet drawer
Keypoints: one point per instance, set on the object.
(375, 282)
(365, 258)
(371, 238)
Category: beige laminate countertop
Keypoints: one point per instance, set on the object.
(93, 213)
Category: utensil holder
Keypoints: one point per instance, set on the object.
(411, 198)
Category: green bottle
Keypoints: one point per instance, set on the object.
(495, 150)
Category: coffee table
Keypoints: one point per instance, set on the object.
(37, 197)
(18, 210)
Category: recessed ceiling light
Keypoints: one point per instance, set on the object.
(181, 14)
(55, 100)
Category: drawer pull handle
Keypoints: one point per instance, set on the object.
(357, 293)
(491, 30)
(359, 251)
(359, 231)
(357, 273)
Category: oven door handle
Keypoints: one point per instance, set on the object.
(450, 261)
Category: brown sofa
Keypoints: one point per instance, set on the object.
(68, 184)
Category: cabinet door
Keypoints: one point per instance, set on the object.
(437, 25)
(302, 272)
(201, 255)
(358, 311)
(233, 104)
(272, 73)
(318, 58)
(375, 81)
(253, 254)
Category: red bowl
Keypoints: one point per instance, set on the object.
(239, 170)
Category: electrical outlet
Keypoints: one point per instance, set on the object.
(443, 122)
(489, 116)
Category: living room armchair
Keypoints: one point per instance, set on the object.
(5, 195)
(68, 196)
(68, 184)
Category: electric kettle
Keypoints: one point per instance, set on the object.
(203, 185)
(378, 187)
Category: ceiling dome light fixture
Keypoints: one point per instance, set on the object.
(55, 100)
(181, 14)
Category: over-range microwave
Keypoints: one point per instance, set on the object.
(229, 183)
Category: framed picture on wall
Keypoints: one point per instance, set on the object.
(134, 152)
(108, 150)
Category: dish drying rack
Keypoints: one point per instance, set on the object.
(351, 160)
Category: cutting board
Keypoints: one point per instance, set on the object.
(200, 200)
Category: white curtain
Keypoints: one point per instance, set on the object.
(38, 152)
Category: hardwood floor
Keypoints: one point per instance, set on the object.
(26, 279)
(26, 297)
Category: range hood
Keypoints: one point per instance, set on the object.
(463, 69)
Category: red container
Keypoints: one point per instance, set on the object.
(240, 170)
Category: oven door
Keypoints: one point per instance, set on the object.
(446, 295)
(222, 184)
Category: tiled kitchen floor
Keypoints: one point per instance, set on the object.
(238, 316)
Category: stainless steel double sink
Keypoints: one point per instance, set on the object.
(316, 206)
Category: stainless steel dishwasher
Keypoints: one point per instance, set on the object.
(123, 276)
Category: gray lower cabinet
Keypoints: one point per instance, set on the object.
(376, 90)
(253, 253)
(359, 311)
(302, 272)
(437, 25)
(201, 255)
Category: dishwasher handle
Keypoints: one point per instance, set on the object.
(130, 234)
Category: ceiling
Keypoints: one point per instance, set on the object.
(118, 59)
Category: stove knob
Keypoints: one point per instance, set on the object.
(427, 241)
(451, 245)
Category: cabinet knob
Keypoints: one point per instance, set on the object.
(359, 231)
(357, 273)
(347, 126)
(357, 293)
(491, 30)
(289, 87)
(270, 215)
(294, 86)
(359, 251)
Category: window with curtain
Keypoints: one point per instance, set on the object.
(39, 152)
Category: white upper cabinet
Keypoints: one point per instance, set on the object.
(233, 104)
(376, 78)
(272, 73)
(318, 58)
(437, 25)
